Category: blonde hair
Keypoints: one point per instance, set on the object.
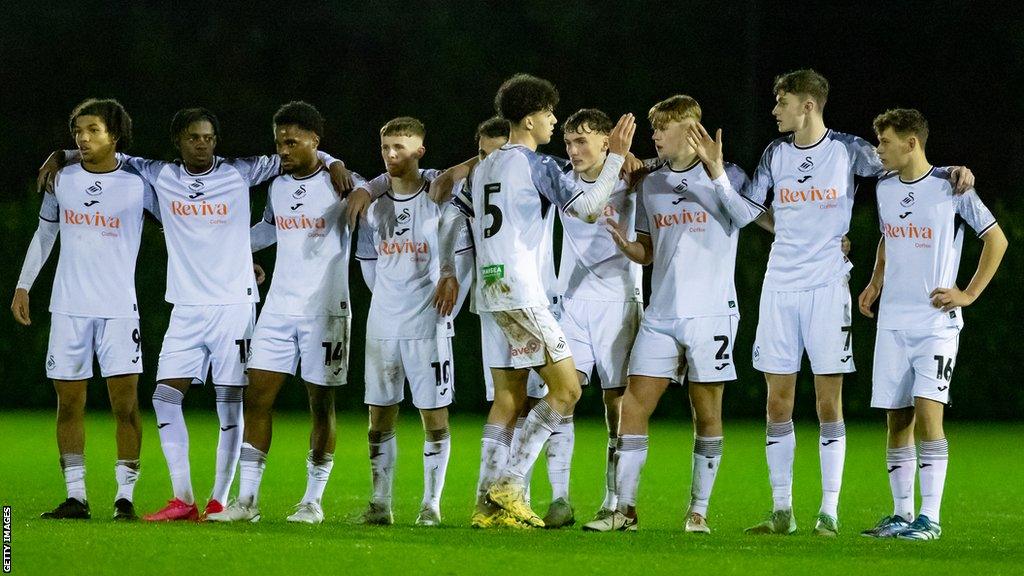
(403, 126)
(674, 109)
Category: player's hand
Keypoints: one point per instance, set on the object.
(341, 178)
(631, 165)
(845, 245)
(962, 177)
(20, 307)
(445, 295)
(442, 187)
(618, 232)
(949, 298)
(709, 151)
(867, 299)
(48, 172)
(358, 202)
(261, 276)
(621, 137)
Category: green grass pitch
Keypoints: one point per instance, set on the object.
(983, 532)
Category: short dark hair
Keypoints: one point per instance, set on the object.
(493, 127)
(804, 82)
(904, 122)
(588, 120)
(302, 114)
(186, 116)
(114, 116)
(403, 126)
(522, 95)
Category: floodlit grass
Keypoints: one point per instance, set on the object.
(983, 533)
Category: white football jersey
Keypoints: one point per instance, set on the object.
(694, 242)
(923, 224)
(511, 192)
(313, 242)
(810, 189)
(100, 226)
(592, 266)
(400, 232)
(206, 226)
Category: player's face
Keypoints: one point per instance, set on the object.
(893, 150)
(488, 144)
(297, 148)
(197, 143)
(401, 153)
(585, 148)
(789, 111)
(670, 138)
(542, 125)
(92, 139)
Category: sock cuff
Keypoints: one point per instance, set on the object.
(520, 421)
(776, 429)
(165, 393)
(566, 421)
(708, 446)
(548, 416)
(250, 454)
(833, 430)
(133, 464)
(325, 458)
(613, 442)
(439, 435)
(229, 394)
(498, 434)
(69, 460)
(933, 449)
(632, 443)
(900, 454)
(380, 437)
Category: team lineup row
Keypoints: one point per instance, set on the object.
(425, 239)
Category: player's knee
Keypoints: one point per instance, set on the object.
(125, 412)
(780, 408)
(829, 410)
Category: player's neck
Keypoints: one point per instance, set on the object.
(198, 168)
(811, 132)
(409, 182)
(522, 138)
(683, 161)
(917, 167)
(306, 170)
(591, 174)
(101, 165)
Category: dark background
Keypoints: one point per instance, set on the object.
(363, 63)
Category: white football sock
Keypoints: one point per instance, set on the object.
(126, 472)
(73, 468)
(383, 452)
(780, 448)
(318, 472)
(170, 423)
(494, 449)
(229, 443)
(539, 424)
(610, 499)
(832, 453)
(933, 458)
(901, 463)
(435, 466)
(560, 446)
(630, 456)
(707, 456)
(251, 463)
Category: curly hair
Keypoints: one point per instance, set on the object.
(186, 116)
(588, 120)
(522, 95)
(301, 114)
(493, 127)
(114, 116)
(904, 122)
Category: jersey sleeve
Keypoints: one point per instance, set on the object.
(149, 170)
(731, 187)
(366, 248)
(257, 169)
(974, 212)
(462, 198)
(863, 156)
(150, 203)
(50, 209)
(762, 185)
(553, 181)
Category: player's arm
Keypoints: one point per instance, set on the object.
(449, 229)
(366, 253)
(38, 252)
(741, 210)
(640, 250)
(978, 217)
(147, 169)
(589, 205)
(442, 187)
(870, 293)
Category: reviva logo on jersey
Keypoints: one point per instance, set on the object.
(95, 219)
(909, 231)
(407, 247)
(684, 217)
(302, 222)
(787, 196)
(203, 208)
